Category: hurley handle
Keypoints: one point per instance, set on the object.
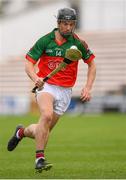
(61, 65)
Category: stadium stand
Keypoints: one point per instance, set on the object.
(13, 79)
(14, 87)
(109, 48)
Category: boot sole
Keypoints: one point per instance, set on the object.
(46, 168)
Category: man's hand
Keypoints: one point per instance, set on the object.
(39, 82)
(85, 94)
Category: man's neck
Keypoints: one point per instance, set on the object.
(59, 37)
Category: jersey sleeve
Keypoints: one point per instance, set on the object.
(87, 54)
(36, 51)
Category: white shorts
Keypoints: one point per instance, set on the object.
(62, 97)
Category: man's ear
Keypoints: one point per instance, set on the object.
(58, 21)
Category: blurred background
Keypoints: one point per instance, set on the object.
(101, 23)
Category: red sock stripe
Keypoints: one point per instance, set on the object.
(21, 132)
(38, 155)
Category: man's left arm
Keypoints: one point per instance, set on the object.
(91, 74)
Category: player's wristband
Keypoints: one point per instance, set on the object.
(67, 61)
(46, 78)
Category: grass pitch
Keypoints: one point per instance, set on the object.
(80, 147)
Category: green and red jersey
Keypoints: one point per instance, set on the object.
(49, 53)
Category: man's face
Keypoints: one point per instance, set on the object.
(66, 27)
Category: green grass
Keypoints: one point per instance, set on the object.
(79, 147)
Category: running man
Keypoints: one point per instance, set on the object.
(54, 99)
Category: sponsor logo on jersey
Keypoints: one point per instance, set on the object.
(49, 50)
(54, 64)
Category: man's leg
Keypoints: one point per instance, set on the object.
(51, 126)
(45, 102)
(30, 132)
(46, 122)
(54, 121)
(40, 164)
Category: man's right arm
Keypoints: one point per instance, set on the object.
(30, 70)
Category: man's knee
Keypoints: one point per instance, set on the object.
(47, 117)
